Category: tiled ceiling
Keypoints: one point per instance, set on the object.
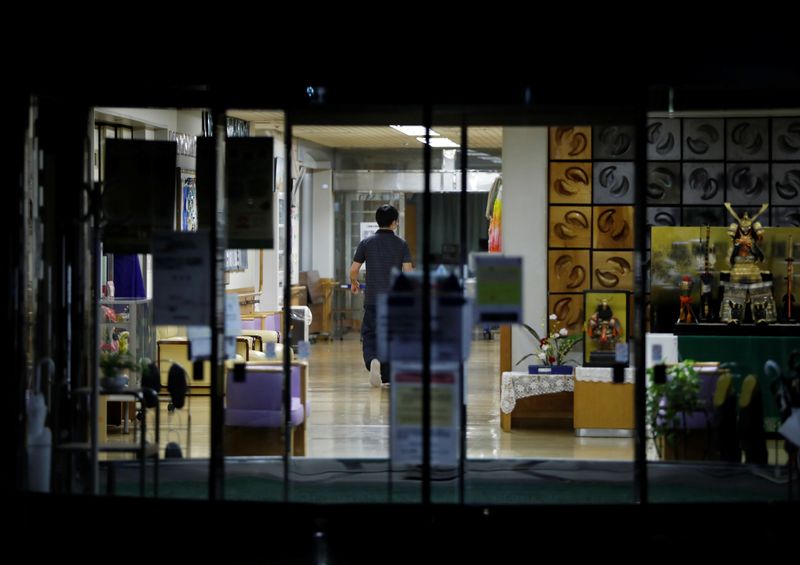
(367, 137)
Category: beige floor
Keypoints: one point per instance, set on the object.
(349, 418)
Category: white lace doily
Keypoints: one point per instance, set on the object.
(600, 374)
(521, 385)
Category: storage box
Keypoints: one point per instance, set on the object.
(551, 370)
(299, 297)
(311, 280)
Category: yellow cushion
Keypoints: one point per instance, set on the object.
(165, 332)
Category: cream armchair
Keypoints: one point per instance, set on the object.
(260, 340)
(173, 346)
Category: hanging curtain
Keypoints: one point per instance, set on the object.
(128, 282)
(495, 203)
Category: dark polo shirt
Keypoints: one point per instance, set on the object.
(381, 251)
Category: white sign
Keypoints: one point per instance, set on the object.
(200, 340)
(181, 270)
(399, 326)
(406, 414)
(621, 353)
(233, 316)
(368, 229)
(498, 293)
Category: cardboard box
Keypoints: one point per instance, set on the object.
(311, 280)
(299, 295)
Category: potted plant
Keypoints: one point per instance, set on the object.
(552, 349)
(669, 403)
(112, 365)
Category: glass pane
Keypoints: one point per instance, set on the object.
(145, 319)
(348, 173)
(534, 406)
(721, 251)
(253, 435)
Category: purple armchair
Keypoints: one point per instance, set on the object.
(254, 415)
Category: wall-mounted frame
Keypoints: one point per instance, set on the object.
(235, 260)
(187, 199)
(606, 323)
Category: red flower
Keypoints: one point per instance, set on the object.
(552, 359)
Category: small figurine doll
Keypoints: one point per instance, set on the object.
(686, 315)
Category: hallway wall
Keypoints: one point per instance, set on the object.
(524, 223)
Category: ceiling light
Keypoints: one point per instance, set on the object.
(413, 131)
(439, 142)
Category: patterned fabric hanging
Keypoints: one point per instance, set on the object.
(495, 224)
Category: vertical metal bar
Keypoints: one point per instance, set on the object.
(94, 349)
(287, 299)
(461, 370)
(158, 442)
(639, 298)
(143, 439)
(22, 123)
(216, 478)
(426, 313)
(82, 368)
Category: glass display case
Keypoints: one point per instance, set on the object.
(132, 315)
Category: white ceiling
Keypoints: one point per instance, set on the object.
(367, 137)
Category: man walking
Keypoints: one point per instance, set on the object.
(381, 252)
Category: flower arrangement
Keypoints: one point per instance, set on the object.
(111, 362)
(554, 347)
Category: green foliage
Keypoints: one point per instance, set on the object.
(111, 362)
(668, 402)
(553, 348)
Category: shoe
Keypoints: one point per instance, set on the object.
(375, 373)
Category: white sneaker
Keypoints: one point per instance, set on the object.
(375, 373)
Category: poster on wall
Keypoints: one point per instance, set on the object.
(188, 199)
(368, 229)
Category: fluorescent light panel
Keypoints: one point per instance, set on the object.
(413, 131)
(439, 142)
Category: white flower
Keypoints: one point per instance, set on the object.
(563, 331)
(553, 317)
(545, 347)
(542, 356)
